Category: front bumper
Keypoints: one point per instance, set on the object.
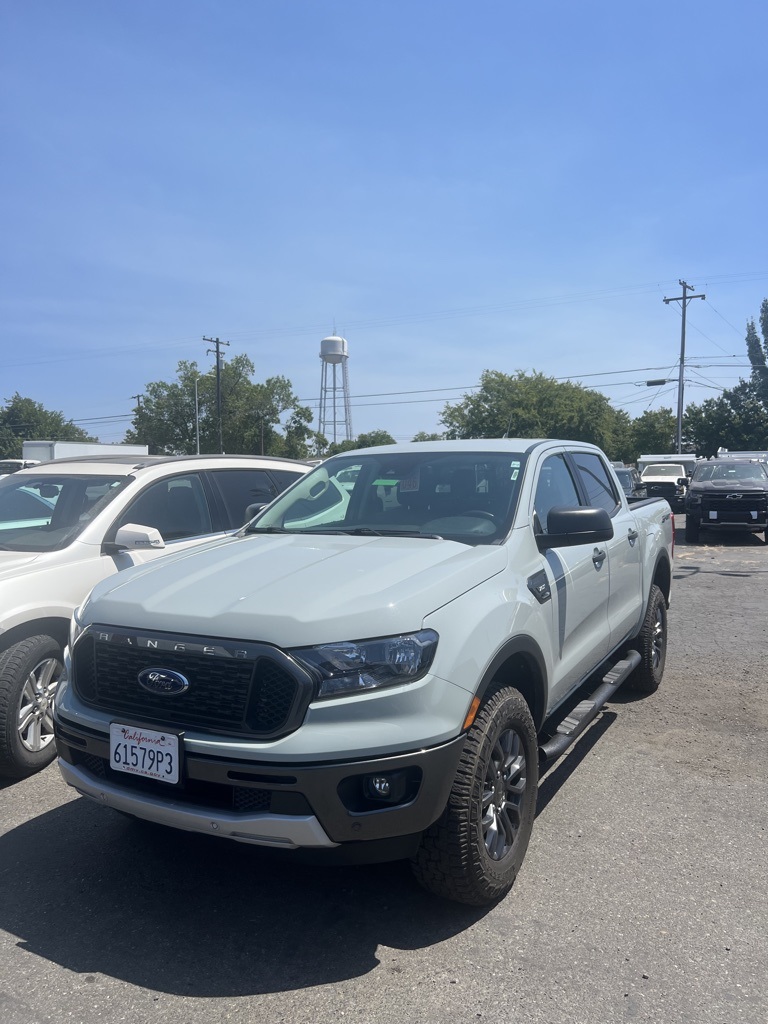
(289, 806)
(726, 519)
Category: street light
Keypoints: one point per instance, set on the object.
(197, 411)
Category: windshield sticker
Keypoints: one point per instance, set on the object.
(515, 474)
(410, 483)
(385, 483)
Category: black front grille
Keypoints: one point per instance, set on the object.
(261, 696)
(737, 510)
(662, 490)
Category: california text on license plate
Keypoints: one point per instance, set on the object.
(145, 752)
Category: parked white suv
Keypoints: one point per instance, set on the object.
(67, 524)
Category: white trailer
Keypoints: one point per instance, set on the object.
(686, 459)
(45, 451)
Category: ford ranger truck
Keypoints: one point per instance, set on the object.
(376, 666)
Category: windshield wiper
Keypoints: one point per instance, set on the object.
(367, 531)
(255, 528)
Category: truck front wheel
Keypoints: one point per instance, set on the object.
(29, 674)
(474, 850)
(692, 527)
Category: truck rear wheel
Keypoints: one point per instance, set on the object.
(474, 850)
(29, 675)
(652, 645)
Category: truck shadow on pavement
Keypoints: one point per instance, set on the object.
(98, 893)
(192, 915)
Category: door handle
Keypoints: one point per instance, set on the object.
(598, 557)
(632, 535)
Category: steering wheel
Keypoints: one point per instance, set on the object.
(482, 513)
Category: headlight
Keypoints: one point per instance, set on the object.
(355, 666)
(694, 499)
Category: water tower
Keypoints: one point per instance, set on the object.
(335, 412)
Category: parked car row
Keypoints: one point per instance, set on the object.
(67, 524)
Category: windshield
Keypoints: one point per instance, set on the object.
(752, 471)
(668, 469)
(464, 496)
(47, 512)
(625, 477)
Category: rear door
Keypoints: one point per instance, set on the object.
(624, 562)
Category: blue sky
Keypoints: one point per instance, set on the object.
(455, 186)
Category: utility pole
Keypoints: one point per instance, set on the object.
(219, 357)
(685, 298)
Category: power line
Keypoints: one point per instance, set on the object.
(409, 318)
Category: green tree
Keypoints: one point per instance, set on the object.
(23, 419)
(251, 412)
(372, 439)
(424, 436)
(532, 405)
(758, 354)
(737, 420)
(653, 433)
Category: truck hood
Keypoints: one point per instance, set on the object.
(295, 591)
(728, 487)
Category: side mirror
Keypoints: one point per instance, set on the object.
(134, 537)
(569, 527)
(253, 510)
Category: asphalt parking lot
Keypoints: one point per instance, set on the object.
(642, 897)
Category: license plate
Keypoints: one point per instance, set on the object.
(713, 515)
(146, 752)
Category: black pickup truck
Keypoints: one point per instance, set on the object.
(727, 494)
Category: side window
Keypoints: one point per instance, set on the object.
(240, 488)
(284, 477)
(555, 489)
(176, 507)
(597, 482)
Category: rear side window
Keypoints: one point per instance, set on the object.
(240, 488)
(284, 477)
(596, 480)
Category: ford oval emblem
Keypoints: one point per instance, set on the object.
(163, 681)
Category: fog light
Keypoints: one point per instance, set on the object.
(386, 787)
(381, 785)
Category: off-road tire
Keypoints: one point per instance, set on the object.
(29, 674)
(474, 850)
(651, 642)
(692, 529)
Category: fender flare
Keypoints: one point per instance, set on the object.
(520, 651)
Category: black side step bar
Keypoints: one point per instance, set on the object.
(577, 721)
